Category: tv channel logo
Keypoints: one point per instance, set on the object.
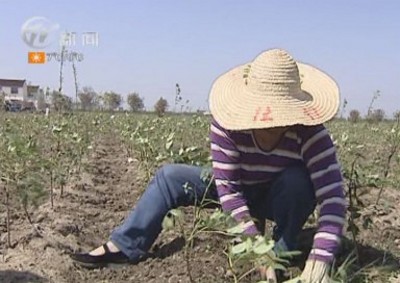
(39, 32)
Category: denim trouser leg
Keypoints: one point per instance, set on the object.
(289, 201)
(166, 191)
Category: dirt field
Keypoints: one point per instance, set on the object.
(99, 199)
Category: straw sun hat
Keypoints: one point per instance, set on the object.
(273, 91)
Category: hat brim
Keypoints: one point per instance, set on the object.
(235, 107)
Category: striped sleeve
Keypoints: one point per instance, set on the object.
(319, 155)
(226, 169)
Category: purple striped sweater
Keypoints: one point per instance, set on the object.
(238, 160)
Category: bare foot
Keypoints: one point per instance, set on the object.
(100, 250)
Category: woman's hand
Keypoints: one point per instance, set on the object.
(315, 272)
(268, 274)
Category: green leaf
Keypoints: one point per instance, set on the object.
(249, 244)
(239, 248)
(169, 144)
(171, 136)
(262, 247)
(167, 223)
(294, 280)
(289, 254)
(278, 266)
(238, 229)
(56, 129)
(191, 149)
(177, 213)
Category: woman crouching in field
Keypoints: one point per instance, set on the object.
(272, 159)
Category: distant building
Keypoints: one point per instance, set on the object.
(32, 92)
(19, 92)
(14, 89)
(33, 97)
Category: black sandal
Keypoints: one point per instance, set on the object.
(108, 259)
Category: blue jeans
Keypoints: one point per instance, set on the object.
(288, 201)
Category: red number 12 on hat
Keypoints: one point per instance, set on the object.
(263, 114)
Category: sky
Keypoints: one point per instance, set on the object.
(149, 46)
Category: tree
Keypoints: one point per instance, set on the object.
(396, 115)
(343, 108)
(98, 102)
(2, 101)
(161, 106)
(60, 101)
(376, 95)
(354, 116)
(87, 97)
(377, 115)
(178, 96)
(41, 101)
(135, 102)
(112, 100)
(47, 94)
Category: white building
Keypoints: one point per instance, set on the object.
(18, 91)
(33, 92)
(14, 89)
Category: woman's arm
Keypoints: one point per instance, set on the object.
(226, 169)
(319, 155)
